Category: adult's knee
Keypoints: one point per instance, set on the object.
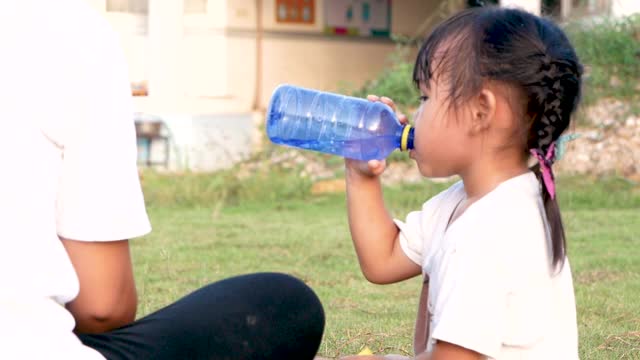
(297, 314)
(293, 295)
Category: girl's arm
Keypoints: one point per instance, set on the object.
(374, 234)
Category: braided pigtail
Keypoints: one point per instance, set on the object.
(554, 96)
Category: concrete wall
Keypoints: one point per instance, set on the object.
(209, 64)
(329, 62)
(211, 73)
(299, 54)
(209, 76)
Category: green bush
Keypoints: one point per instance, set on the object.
(223, 188)
(396, 80)
(610, 50)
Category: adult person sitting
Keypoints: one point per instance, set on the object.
(70, 199)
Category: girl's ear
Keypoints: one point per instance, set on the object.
(483, 110)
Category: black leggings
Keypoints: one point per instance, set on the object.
(258, 316)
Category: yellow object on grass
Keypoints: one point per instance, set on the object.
(365, 351)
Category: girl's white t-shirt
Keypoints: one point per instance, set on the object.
(68, 157)
(492, 285)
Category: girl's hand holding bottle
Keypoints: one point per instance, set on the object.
(373, 168)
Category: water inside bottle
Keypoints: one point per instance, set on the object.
(359, 149)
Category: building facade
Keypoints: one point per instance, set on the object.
(206, 68)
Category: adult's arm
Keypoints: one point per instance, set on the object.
(107, 297)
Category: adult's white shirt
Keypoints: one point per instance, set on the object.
(68, 158)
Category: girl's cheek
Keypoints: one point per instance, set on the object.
(422, 137)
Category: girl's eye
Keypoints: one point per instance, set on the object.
(423, 98)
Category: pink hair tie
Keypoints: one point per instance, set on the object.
(545, 162)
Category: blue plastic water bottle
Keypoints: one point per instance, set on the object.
(335, 124)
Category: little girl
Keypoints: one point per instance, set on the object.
(498, 88)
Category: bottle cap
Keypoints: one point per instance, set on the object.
(406, 141)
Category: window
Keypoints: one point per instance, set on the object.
(358, 17)
(138, 7)
(295, 11)
(195, 6)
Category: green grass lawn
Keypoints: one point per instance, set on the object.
(204, 237)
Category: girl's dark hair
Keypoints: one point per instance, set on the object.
(529, 54)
